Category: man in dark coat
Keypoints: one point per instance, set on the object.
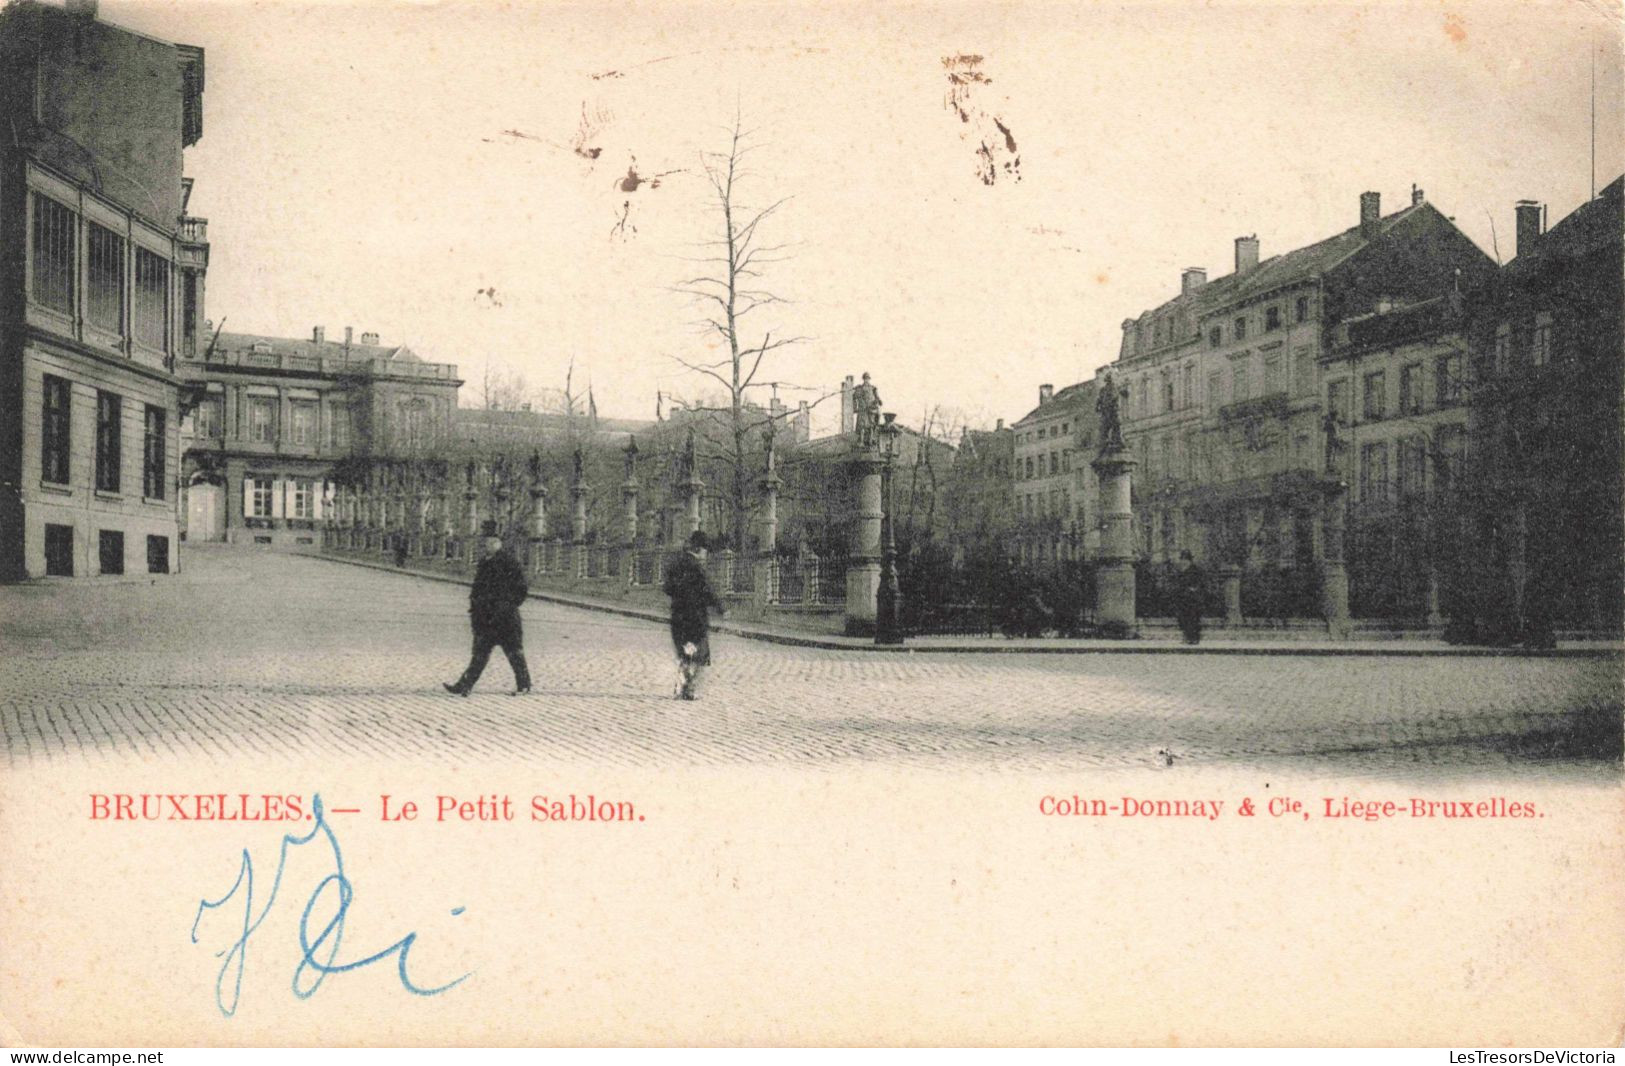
(493, 611)
(691, 603)
(1190, 596)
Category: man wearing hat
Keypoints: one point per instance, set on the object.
(1190, 597)
(493, 611)
(691, 603)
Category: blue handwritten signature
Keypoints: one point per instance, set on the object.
(318, 951)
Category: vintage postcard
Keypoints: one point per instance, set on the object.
(1004, 523)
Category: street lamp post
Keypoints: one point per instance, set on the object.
(888, 629)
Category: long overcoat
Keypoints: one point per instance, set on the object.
(691, 602)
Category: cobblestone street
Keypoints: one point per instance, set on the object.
(259, 654)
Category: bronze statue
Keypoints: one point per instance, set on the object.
(578, 465)
(866, 412)
(1108, 405)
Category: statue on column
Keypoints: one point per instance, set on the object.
(1109, 406)
(578, 465)
(690, 462)
(866, 411)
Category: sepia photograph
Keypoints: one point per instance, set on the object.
(809, 523)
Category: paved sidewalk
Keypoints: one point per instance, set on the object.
(1214, 641)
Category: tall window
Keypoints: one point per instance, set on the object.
(1540, 345)
(1374, 472)
(1241, 329)
(54, 431)
(1447, 379)
(1300, 309)
(1412, 467)
(262, 419)
(1337, 399)
(1240, 386)
(1168, 392)
(53, 258)
(1410, 389)
(259, 497)
(338, 426)
(151, 300)
(1503, 346)
(303, 500)
(104, 305)
(1272, 374)
(1215, 337)
(208, 417)
(109, 413)
(1303, 371)
(1272, 318)
(152, 455)
(302, 423)
(1189, 383)
(1215, 388)
(1375, 396)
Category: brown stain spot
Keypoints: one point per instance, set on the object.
(1455, 30)
(1102, 278)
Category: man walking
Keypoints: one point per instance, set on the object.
(1190, 596)
(493, 611)
(691, 603)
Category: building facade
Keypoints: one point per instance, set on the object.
(1545, 482)
(101, 288)
(1229, 382)
(1055, 490)
(274, 426)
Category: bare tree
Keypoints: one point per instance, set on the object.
(502, 390)
(728, 289)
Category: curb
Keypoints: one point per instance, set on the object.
(1379, 650)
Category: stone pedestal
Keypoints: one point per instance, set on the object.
(1114, 582)
(1334, 575)
(629, 513)
(691, 509)
(538, 523)
(471, 504)
(578, 513)
(1230, 582)
(863, 566)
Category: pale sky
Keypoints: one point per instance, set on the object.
(356, 169)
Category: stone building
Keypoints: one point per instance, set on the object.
(978, 501)
(274, 424)
(1055, 491)
(1228, 383)
(1543, 435)
(101, 288)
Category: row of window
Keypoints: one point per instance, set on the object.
(111, 271)
(56, 436)
(1231, 384)
(1057, 503)
(1044, 433)
(1272, 321)
(262, 418)
(1044, 465)
(1412, 390)
(110, 551)
(268, 497)
(1411, 460)
(1537, 342)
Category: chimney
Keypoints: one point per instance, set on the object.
(1528, 212)
(1191, 279)
(369, 338)
(998, 426)
(1370, 214)
(348, 335)
(318, 335)
(803, 422)
(1246, 253)
(82, 8)
(1046, 393)
(1417, 197)
(848, 418)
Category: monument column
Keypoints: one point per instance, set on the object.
(1334, 575)
(863, 566)
(1114, 596)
